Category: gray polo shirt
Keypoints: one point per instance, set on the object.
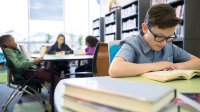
(135, 49)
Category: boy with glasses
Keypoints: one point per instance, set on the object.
(152, 49)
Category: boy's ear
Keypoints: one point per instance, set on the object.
(144, 28)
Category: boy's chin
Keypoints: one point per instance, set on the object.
(157, 49)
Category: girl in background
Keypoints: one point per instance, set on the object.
(61, 48)
(90, 42)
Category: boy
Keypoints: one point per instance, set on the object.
(152, 49)
(19, 63)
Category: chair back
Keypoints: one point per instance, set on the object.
(113, 48)
(24, 51)
(9, 66)
(3, 60)
(101, 60)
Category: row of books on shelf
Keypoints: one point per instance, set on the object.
(110, 18)
(109, 38)
(128, 34)
(110, 29)
(179, 31)
(163, 1)
(125, 2)
(96, 24)
(130, 24)
(180, 11)
(96, 32)
(129, 11)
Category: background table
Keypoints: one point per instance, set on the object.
(54, 58)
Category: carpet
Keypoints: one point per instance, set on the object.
(28, 107)
(4, 93)
(3, 77)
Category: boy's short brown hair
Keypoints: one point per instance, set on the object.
(161, 15)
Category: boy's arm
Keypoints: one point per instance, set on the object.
(192, 64)
(18, 64)
(121, 68)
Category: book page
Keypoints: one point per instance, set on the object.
(163, 76)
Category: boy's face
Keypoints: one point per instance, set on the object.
(152, 36)
(10, 42)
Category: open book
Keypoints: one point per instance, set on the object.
(164, 76)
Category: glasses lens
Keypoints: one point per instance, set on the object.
(159, 39)
(171, 39)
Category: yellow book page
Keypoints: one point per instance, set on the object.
(164, 76)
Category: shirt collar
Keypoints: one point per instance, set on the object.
(144, 45)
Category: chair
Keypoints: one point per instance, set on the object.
(101, 60)
(113, 48)
(100, 63)
(3, 60)
(24, 51)
(21, 85)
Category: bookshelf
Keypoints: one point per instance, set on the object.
(132, 16)
(191, 29)
(98, 29)
(113, 25)
(187, 31)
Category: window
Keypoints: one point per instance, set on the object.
(14, 19)
(32, 22)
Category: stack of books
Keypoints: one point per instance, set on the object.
(105, 94)
(188, 101)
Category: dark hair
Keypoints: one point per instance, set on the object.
(161, 15)
(92, 41)
(3, 40)
(60, 35)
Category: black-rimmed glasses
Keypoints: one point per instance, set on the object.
(159, 38)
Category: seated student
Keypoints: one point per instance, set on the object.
(60, 48)
(90, 42)
(152, 49)
(20, 63)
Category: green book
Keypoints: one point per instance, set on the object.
(117, 93)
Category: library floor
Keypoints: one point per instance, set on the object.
(29, 103)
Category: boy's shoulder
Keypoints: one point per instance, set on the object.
(133, 40)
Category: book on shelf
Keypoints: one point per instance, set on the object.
(122, 94)
(164, 76)
(189, 101)
(82, 105)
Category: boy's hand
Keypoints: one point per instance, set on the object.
(37, 60)
(164, 65)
